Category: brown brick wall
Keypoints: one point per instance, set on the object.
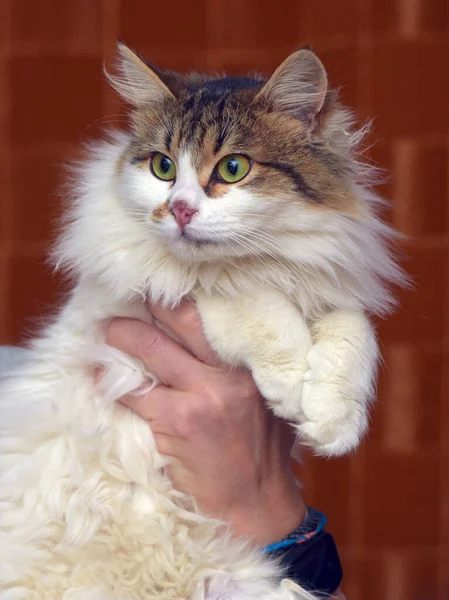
(389, 505)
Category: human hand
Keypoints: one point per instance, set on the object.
(226, 448)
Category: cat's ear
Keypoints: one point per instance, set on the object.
(137, 82)
(298, 87)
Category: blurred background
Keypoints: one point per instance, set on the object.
(388, 505)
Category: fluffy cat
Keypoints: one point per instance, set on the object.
(247, 195)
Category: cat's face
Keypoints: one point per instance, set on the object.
(229, 167)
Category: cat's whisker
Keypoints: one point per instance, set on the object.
(137, 214)
(251, 245)
(108, 119)
(267, 238)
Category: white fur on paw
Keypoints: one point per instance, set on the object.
(332, 437)
(334, 412)
(322, 362)
(283, 390)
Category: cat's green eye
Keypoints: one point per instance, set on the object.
(233, 168)
(163, 167)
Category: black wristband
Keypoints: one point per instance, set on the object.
(315, 565)
(309, 556)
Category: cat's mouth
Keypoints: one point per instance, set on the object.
(197, 240)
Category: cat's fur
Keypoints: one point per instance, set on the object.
(283, 266)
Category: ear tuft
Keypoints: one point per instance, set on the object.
(298, 87)
(135, 80)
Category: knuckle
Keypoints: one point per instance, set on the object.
(189, 318)
(210, 405)
(146, 342)
(202, 409)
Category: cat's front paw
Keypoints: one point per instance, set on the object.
(334, 407)
(283, 389)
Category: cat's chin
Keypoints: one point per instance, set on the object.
(198, 252)
(197, 247)
(193, 248)
(198, 241)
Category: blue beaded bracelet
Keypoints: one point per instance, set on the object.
(314, 522)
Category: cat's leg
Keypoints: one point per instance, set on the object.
(266, 333)
(340, 383)
(324, 388)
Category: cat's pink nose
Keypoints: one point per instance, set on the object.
(183, 212)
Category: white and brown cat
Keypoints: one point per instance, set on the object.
(247, 195)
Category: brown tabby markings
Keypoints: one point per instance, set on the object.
(160, 212)
(213, 118)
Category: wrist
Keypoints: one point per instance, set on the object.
(275, 511)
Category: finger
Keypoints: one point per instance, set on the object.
(168, 445)
(161, 355)
(155, 405)
(185, 322)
